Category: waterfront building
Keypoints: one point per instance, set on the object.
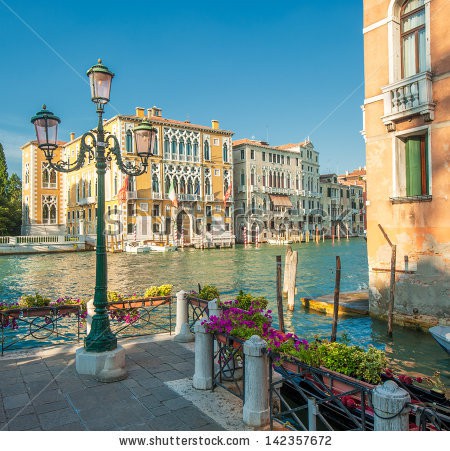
(194, 160)
(407, 132)
(336, 206)
(356, 180)
(276, 190)
(43, 206)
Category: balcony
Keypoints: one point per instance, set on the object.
(209, 198)
(188, 197)
(408, 97)
(86, 200)
(157, 196)
(131, 195)
(242, 189)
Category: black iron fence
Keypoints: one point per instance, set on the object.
(197, 309)
(308, 398)
(39, 325)
(141, 316)
(228, 362)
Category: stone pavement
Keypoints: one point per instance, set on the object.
(40, 390)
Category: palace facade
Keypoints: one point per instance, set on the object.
(43, 206)
(193, 159)
(276, 190)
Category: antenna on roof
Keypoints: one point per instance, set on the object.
(267, 134)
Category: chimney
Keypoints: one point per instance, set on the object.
(139, 112)
(72, 136)
(215, 124)
(154, 112)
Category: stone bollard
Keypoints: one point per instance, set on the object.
(90, 313)
(213, 308)
(256, 402)
(203, 373)
(182, 332)
(389, 401)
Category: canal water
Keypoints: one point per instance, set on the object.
(250, 269)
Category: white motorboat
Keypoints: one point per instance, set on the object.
(278, 241)
(161, 247)
(442, 335)
(136, 248)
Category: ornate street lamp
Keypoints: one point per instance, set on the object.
(102, 148)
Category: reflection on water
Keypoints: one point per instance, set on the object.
(252, 270)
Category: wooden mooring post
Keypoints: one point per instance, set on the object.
(392, 281)
(290, 275)
(337, 287)
(279, 295)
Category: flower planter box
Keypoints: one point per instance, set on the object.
(140, 302)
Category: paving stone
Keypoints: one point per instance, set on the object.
(10, 390)
(172, 375)
(11, 413)
(139, 391)
(150, 401)
(163, 393)
(75, 426)
(130, 415)
(177, 403)
(51, 420)
(33, 368)
(160, 368)
(192, 416)
(44, 376)
(23, 422)
(137, 427)
(36, 388)
(167, 422)
(150, 382)
(209, 427)
(47, 396)
(15, 401)
(51, 407)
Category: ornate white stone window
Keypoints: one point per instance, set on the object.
(48, 176)
(49, 209)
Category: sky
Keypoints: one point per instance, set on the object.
(278, 71)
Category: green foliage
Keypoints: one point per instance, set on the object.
(154, 291)
(10, 199)
(352, 361)
(35, 300)
(245, 300)
(209, 292)
(114, 296)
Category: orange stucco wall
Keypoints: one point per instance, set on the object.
(420, 230)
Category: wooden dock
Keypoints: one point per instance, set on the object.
(350, 303)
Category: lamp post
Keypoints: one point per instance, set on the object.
(101, 147)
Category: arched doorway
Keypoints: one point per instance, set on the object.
(184, 227)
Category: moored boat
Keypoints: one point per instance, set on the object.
(278, 241)
(442, 335)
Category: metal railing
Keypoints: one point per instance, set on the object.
(228, 362)
(143, 316)
(197, 310)
(39, 324)
(306, 396)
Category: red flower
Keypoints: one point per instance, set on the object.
(419, 379)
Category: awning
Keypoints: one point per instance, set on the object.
(281, 201)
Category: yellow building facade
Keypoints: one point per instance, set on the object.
(196, 160)
(407, 133)
(43, 206)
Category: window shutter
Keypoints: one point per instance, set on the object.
(413, 167)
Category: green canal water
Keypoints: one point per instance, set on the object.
(250, 269)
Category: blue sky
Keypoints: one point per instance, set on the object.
(278, 70)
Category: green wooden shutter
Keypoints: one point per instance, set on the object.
(413, 167)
